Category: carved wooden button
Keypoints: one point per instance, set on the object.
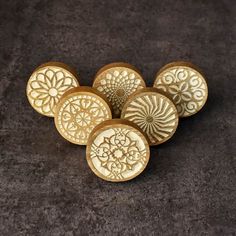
(117, 81)
(185, 85)
(79, 111)
(117, 150)
(47, 84)
(154, 113)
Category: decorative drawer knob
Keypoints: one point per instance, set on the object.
(47, 84)
(185, 85)
(117, 150)
(154, 113)
(118, 81)
(79, 111)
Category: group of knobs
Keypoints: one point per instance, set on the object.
(117, 149)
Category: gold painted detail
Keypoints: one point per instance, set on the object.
(46, 86)
(185, 86)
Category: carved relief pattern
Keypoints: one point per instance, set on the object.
(154, 114)
(117, 84)
(119, 153)
(186, 87)
(79, 115)
(46, 86)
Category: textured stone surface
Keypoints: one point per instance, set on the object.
(46, 186)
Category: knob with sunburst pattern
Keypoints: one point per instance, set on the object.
(154, 113)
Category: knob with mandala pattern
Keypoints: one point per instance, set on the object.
(79, 111)
(117, 81)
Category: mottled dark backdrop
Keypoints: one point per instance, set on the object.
(46, 186)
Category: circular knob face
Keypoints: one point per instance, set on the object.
(154, 113)
(117, 81)
(117, 150)
(47, 84)
(79, 111)
(185, 85)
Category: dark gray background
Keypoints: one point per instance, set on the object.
(46, 186)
